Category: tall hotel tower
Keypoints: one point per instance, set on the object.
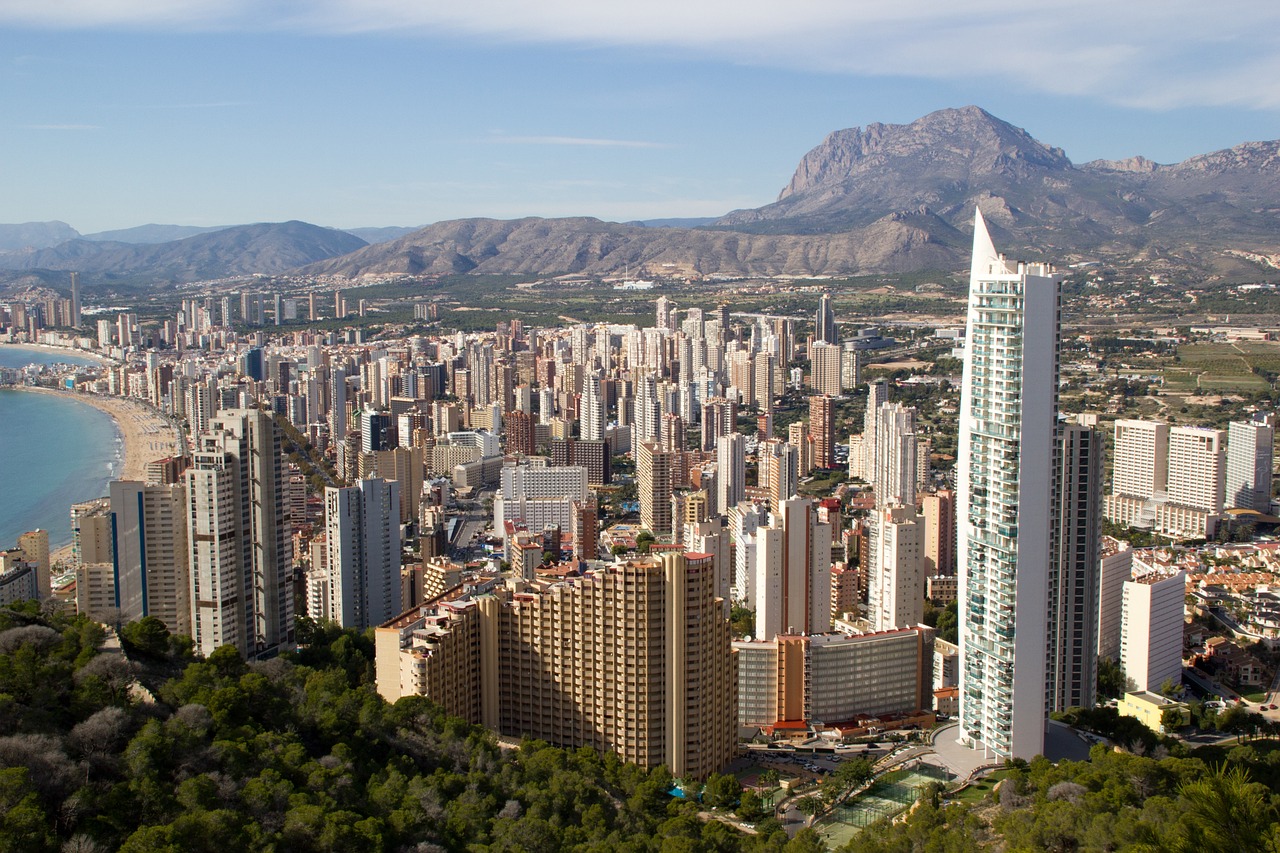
(1005, 505)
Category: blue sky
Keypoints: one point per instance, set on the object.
(401, 112)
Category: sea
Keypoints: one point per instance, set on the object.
(54, 451)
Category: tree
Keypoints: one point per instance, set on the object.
(147, 636)
(949, 623)
(1170, 719)
(810, 806)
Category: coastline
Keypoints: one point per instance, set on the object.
(145, 437)
(71, 351)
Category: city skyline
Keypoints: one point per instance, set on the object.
(221, 114)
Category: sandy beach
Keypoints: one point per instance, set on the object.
(147, 436)
(70, 351)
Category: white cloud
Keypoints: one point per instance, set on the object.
(1149, 53)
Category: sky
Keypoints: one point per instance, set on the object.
(356, 113)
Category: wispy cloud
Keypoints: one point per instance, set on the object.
(60, 126)
(1149, 53)
(589, 142)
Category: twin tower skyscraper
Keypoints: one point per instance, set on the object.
(1028, 495)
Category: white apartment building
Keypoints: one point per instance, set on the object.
(1151, 627)
(1249, 465)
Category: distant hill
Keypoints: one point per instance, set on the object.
(270, 247)
(152, 233)
(589, 246)
(381, 235)
(678, 222)
(35, 235)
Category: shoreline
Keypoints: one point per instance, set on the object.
(144, 434)
(72, 351)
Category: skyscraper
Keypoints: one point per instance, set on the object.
(1005, 479)
(793, 571)
(731, 471)
(362, 534)
(877, 395)
(1073, 582)
(241, 554)
(75, 300)
(149, 530)
(822, 427)
(824, 326)
(592, 411)
(825, 363)
(1249, 449)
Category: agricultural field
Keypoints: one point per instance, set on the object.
(1224, 368)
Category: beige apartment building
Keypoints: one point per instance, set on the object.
(634, 658)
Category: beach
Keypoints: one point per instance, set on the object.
(145, 434)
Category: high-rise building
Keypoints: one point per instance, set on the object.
(822, 427)
(75, 300)
(825, 369)
(1073, 579)
(1197, 463)
(34, 545)
(877, 396)
(1151, 627)
(591, 414)
(777, 463)
(1249, 451)
(939, 515)
(1115, 566)
(239, 537)
(152, 576)
(644, 663)
(1005, 497)
(731, 471)
(362, 535)
(793, 571)
(655, 480)
(895, 582)
(824, 327)
(894, 567)
(894, 475)
(1140, 466)
(519, 432)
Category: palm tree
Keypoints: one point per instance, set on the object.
(1226, 812)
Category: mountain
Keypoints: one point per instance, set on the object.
(1039, 201)
(152, 233)
(35, 235)
(380, 235)
(892, 198)
(534, 246)
(269, 247)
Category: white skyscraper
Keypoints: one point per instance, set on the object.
(895, 582)
(362, 535)
(1005, 497)
(731, 470)
(793, 572)
(1249, 449)
(877, 395)
(1197, 467)
(592, 415)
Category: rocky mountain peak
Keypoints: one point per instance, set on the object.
(961, 143)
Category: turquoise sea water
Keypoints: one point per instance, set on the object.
(54, 451)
